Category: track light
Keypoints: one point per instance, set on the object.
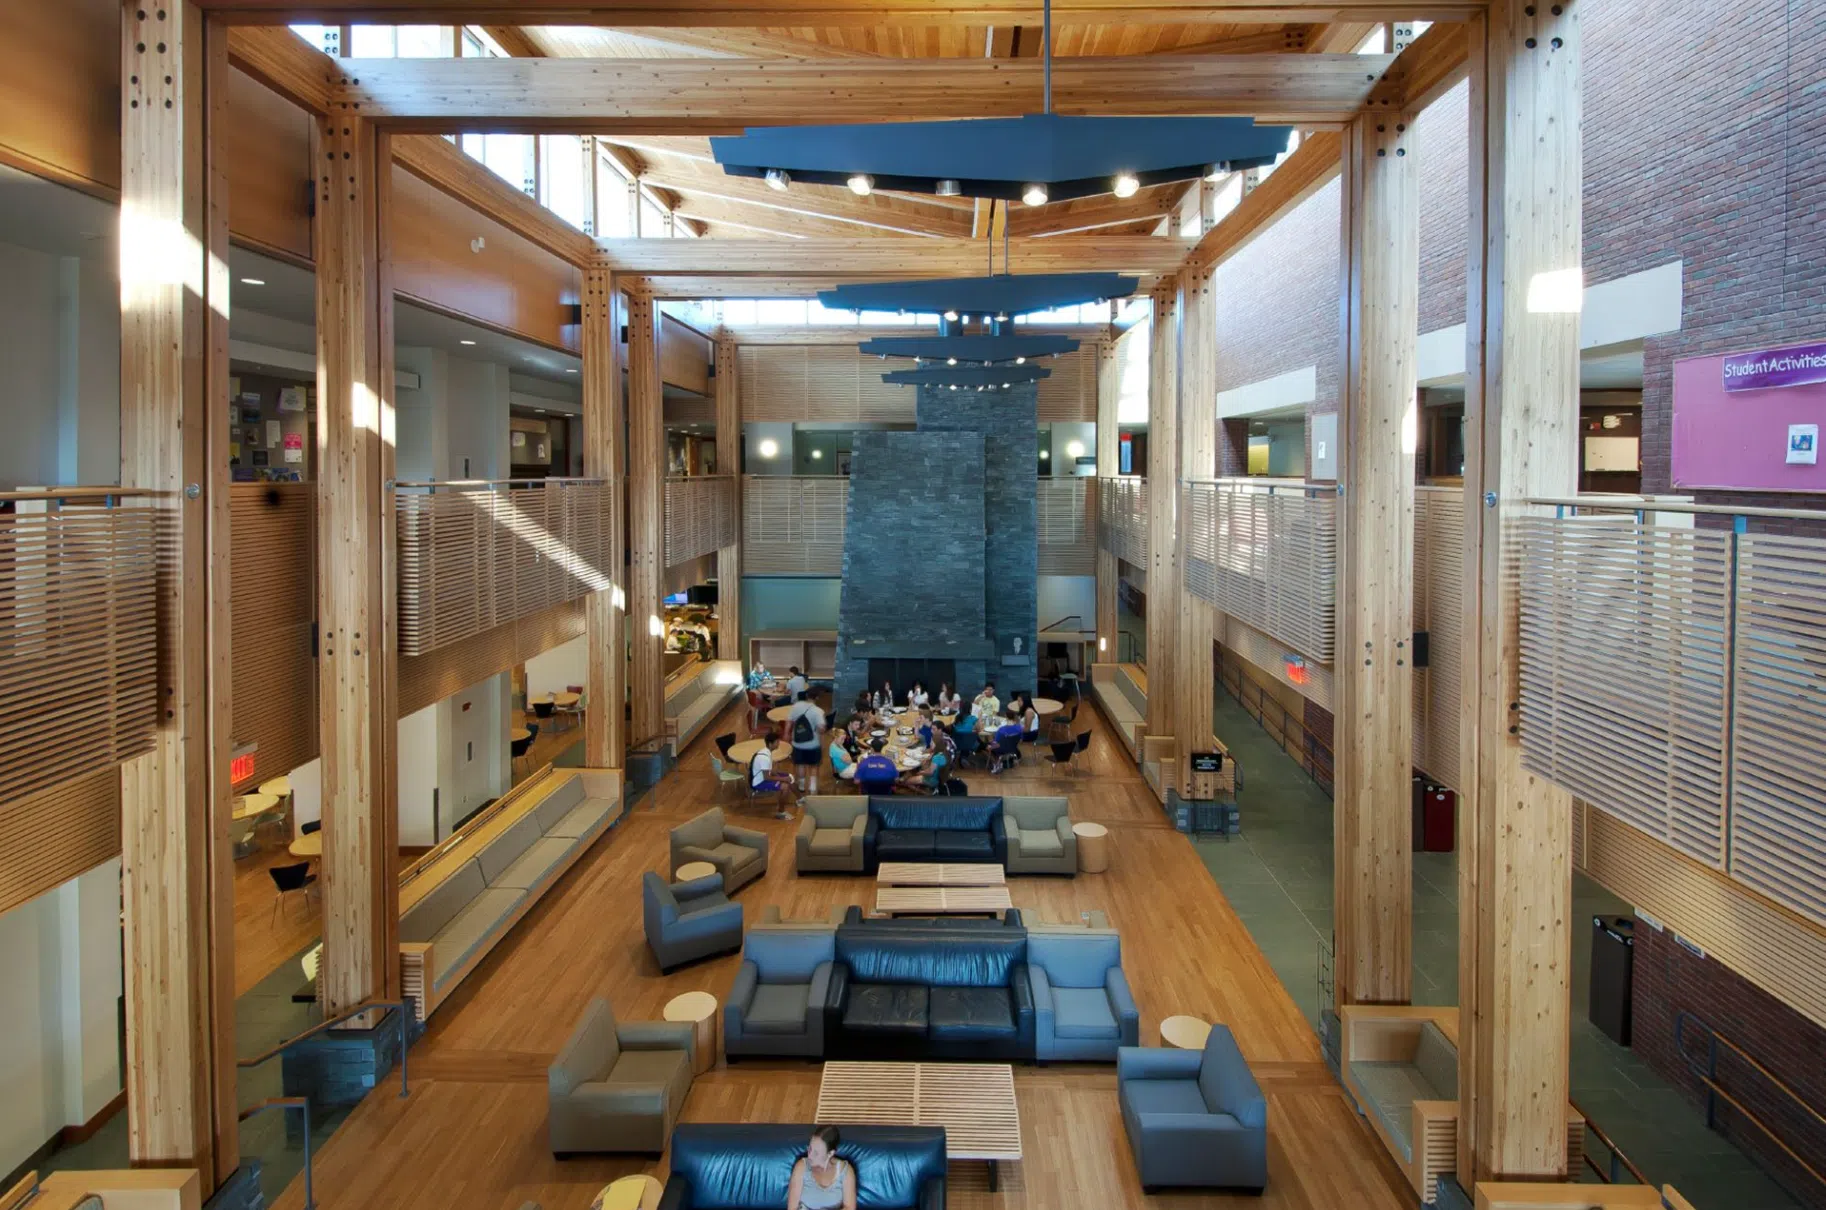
(862, 184)
(954, 386)
(1020, 361)
(1126, 185)
(1001, 317)
(949, 188)
(950, 361)
(951, 317)
(779, 179)
(1034, 195)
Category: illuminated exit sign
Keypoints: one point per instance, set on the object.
(241, 764)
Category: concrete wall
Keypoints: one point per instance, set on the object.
(59, 369)
(473, 760)
(418, 778)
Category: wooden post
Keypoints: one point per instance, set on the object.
(646, 520)
(1163, 509)
(588, 147)
(177, 904)
(355, 601)
(606, 674)
(1374, 796)
(1109, 395)
(1521, 421)
(1192, 668)
(728, 394)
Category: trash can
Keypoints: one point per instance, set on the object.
(1438, 820)
(1613, 953)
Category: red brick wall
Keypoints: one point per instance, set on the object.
(1670, 979)
(1439, 141)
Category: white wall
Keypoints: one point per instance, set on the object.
(474, 764)
(59, 369)
(1063, 434)
(550, 671)
(1062, 596)
(307, 793)
(475, 419)
(59, 1013)
(423, 444)
(418, 778)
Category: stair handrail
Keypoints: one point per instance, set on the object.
(284, 1104)
(1617, 1157)
(1708, 1075)
(404, 1007)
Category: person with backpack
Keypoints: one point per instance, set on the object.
(805, 728)
(761, 779)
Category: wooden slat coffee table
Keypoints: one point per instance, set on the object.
(974, 1102)
(930, 873)
(940, 900)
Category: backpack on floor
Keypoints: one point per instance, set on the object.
(954, 787)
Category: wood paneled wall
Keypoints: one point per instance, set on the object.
(60, 91)
(685, 355)
(50, 838)
(269, 155)
(425, 679)
(274, 600)
(836, 382)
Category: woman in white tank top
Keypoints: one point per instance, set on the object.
(821, 1181)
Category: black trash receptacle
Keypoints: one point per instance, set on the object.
(1613, 951)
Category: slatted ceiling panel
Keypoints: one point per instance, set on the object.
(273, 604)
(50, 837)
(1122, 517)
(1271, 655)
(1071, 392)
(1624, 649)
(882, 402)
(1268, 558)
(700, 516)
(773, 381)
(794, 526)
(424, 679)
(79, 646)
(1439, 537)
(473, 560)
(1778, 756)
(1772, 947)
(832, 377)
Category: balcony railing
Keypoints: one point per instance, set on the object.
(793, 525)
(1267, 555)
(79, 634)
(1674, 676)
(477, 554)
(1122, 517)
(1439, 563)
(1065, 509)
(700, 516)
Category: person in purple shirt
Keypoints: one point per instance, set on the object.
(876, 774)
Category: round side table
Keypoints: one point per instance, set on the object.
(693, 869)
(629, 1193)
(1093, 847)
(1186, 1033)
(700, 1009)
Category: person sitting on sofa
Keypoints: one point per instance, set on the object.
(821, 1181)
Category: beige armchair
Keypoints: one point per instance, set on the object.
(830, 835)
(619, 1087)
(739, 854)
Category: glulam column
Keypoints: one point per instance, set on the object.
(177, 900)
(646, 521)
(357, 707)
(606, 667)
(1109, 398)
(1521, 435)
(727, 392)
(1193, 681)
(1163, 511)
(1373, 796)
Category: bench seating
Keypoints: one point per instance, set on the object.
(465, 898)
(1124, 704)
(1400, 1064)
(694, 700)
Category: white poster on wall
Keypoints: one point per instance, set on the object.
(274, 432)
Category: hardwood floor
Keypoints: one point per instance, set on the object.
(472, 1134)
(266, 935)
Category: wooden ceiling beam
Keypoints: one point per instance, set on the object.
(887, 256)
(1338, 37)
(1155, 202)
(688, 286)
(849, 213)
(1288, 40)
(681, 96)
(442, 164)
(514, 40)
(287, 65)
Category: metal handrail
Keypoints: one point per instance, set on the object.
(365, 1006)
(107, 497)
(1650, 504)
(1616, 1154)
(471, 484)
(1715, 1092)
(1311, 744)
(1263, 484)
(303, 1106)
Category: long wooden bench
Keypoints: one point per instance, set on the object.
(1123, 702)
(1399, 1064)
(461, 898)
(697, 695)
(1523, 1195)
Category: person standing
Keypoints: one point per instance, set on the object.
(795, 684)
(805, 727)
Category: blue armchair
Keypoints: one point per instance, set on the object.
(689, 920)
(1082, 1006)
(776, 1006)
(1194, 1118)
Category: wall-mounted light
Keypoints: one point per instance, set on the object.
(1020, 361)
(950, 361)
(862, 184)
(1034, 195)
(655, 627)
(1127, 185)
(817, 454)
(778, 179)
(1103, 644)
(948, 188)
(252, 281)
(951, 317)
(1045, 455)
(768, 448)
(1075, 449)
(466, 342)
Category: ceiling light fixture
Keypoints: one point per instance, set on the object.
(1020, 361)
(252, 281)
(950, 361)
(465, 342)
(1034, 195)
(948, 188)
(1127, 185)
(862, 184)
(778, 179)
(950, 316)
(768, 448)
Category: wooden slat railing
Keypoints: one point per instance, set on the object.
(1122, 517)
(700, 516)
(1065, 511)
(794, 525)
(475, 555)
(1267, 555)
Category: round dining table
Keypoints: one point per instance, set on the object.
(779, 713)
(1045, 706)
(565, 701)
(520, 734)
(278, 787)
(745, 751)
(307, 846)
(249, 805)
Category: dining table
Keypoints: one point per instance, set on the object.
(745, 751)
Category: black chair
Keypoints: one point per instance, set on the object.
(520, 747)
(305, 829)
(1009, 750)
(1084, 742)
(724, 743)
(1062, 754)
(289, 878)
(543, 709)
(969, 744)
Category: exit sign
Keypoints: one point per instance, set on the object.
(241, 764)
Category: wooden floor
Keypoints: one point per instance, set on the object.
(473, 1132)
(266, 933)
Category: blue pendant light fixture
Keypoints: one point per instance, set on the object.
(968, 378)
(1036, 159)
(988, 349)
(997, 294)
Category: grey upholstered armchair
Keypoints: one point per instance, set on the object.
(830, 835)
(1193, 1117)
(1082, 1006)
(688, 920)
(739, 854)
(1040, 837)
(776, 1004)
(619, 1087)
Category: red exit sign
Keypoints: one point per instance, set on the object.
(241, 766)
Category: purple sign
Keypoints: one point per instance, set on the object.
(1791, 367)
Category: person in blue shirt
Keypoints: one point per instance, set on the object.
(966, 723)
(843, 763)
(876, 774)
(758, 675)
(1007, 735)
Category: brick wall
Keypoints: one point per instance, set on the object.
(1670, 979)
(1439, 141)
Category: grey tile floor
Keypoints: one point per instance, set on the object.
(1277, 875)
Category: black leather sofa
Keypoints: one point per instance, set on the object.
(917, 989)
(718, 1166)
(934, 829)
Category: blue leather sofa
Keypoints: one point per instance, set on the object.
(1082, 1006)
(934, 829)
(686, 921)
(779, 1000)
(1194, 1118)
(719, 1166)
(914, 989)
